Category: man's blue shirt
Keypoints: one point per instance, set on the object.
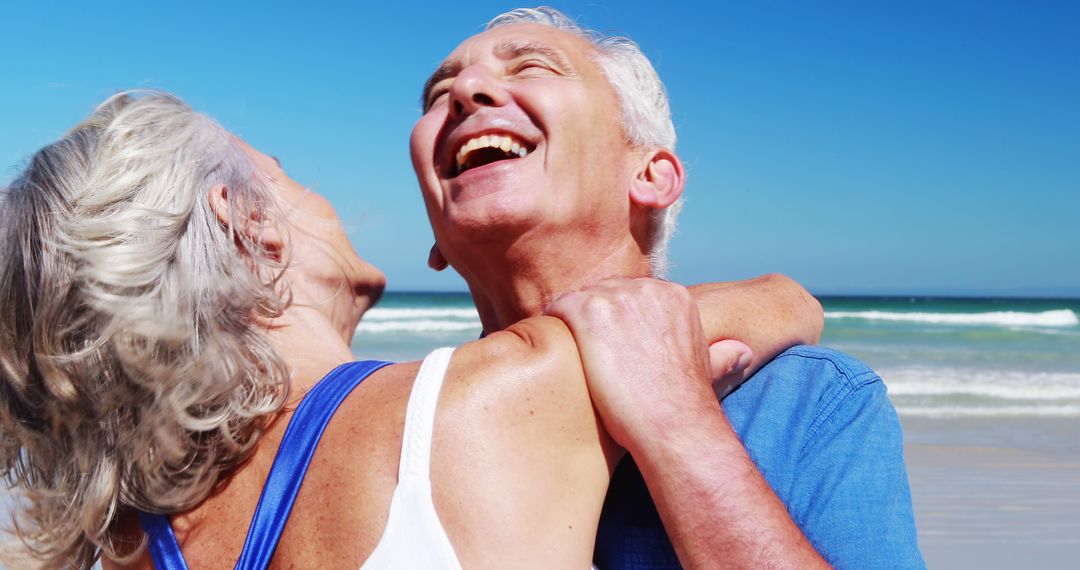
(821, 429)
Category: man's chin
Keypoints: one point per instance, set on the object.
(504, 176)
(497, 215)
(495, 201)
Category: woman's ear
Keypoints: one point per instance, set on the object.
(436, 260)
(245, 218)
(659, 181)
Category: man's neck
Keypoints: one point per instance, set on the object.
(520, 286)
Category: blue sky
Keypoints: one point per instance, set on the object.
(882, 147)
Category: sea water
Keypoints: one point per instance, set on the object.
(939, 357)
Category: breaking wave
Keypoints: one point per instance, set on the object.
(418, 326)
(1003, 385)
(380, 314)
(1053, 411)
(965, 392)
(1056, 318)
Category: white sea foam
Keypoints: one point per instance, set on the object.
(1006, 385)
(418, 326)
(965, 392)
(999, 391)
(1066, 411)
(380, 314)
(1056, 318)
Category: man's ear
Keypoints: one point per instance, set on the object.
(244, 218)
(659, 181)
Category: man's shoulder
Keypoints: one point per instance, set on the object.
(829, 365)
(803, 388)
(820, 427)
(810, 374)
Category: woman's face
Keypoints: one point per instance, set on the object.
(316, 245)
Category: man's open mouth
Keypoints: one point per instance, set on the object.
(486, 149)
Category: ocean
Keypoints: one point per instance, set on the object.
(939, 357)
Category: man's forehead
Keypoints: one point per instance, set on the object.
(509, 42)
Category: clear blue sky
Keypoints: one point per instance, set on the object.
(908, 147)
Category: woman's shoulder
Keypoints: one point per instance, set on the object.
(515, 425)
(540, 349)
(528, 369)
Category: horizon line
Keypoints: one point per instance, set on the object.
(853, 295)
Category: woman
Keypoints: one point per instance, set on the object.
(167, 298)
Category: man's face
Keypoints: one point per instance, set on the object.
(521, 130)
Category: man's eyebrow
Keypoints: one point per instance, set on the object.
(446, 70)
(277, 161)
(508, 49)
(512, 48)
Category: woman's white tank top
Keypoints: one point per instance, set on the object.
(414, 537)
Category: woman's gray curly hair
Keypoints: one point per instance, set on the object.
(133, 372)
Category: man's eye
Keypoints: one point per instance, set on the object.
(436, 98)
(531, 67)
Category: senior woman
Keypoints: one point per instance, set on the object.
(173, 307)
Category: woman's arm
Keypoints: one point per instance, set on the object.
(769, 314)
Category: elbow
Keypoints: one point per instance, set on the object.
(816, 323)
(805, 309)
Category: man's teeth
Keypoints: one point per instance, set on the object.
(506, 144)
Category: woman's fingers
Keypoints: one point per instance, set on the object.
(728, 362)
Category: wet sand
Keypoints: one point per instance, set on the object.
(996, 492)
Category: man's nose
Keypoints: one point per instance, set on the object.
(475, 87)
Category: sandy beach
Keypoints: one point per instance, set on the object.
(996, 492)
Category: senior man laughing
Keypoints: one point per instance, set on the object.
(546, 157)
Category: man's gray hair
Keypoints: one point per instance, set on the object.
(133, 373)
(646, 113)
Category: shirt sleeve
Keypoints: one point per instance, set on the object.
(822, 431)
(850, 492)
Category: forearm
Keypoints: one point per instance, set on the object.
(769, 314)
(643, 348)
(716, 507)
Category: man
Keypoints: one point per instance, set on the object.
(546, 159)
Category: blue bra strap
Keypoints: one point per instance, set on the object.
(162, 544)
(282, 483)
(293, 457)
